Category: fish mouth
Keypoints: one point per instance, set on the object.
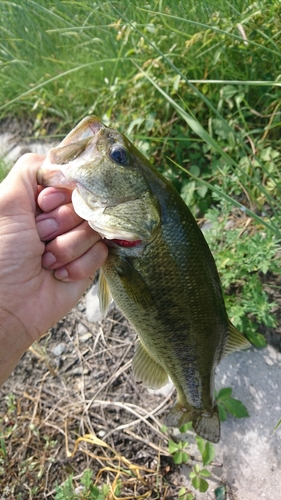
(86, 129)
(56, 170)
(115, 242)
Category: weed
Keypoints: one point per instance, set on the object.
(244, 254)
(198, 480)
(85, 490)
(180, 456)
(228, 404)
(199, 475)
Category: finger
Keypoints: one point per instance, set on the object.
(85, 266)
(69, 246)
(50, 198)
(61, 220)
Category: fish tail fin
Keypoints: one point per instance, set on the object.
(205, 424)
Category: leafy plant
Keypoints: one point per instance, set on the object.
(244, 254)
(197, 475)
(228, 404)
(206, 449)
(198, 480)
(183, 494)
(177, 450)
(86, 489)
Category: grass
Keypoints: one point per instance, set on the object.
(194, 84)
(200, 91)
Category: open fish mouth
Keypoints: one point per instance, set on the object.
(57, 169)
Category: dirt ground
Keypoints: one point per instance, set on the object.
(77, 381)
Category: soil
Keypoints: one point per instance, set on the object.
(77, 381)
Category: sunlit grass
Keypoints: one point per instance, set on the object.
(195, 85)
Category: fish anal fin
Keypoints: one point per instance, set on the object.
(104, 294)
(147, 370)
(236, 340)
(205, 424)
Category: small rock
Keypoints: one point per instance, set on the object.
(81, 329)
(79, 371)
(85, 337)
(229, 225)
(101, 433)
(58, 349)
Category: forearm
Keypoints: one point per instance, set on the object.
(14, 341)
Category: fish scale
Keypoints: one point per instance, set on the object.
(159, 268)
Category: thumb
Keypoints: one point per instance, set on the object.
(19, 189)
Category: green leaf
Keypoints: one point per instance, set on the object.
(196, 482)
(277, 425)
(204, 473)
(183, 495)
(257, 339)
(208, 454)
(224, 393)
(220, 493)
(222, 412)
(201, 444)
(172, 446)
(236, 408)
(178, 457)
(185, 427)
(203, 485)
(200, 484)
(185, 457)
(197, 468)
(202, 191)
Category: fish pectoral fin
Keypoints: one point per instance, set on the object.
(236, 340)
(205, 424)
(147, 370)
(104, 294)
(135, 285)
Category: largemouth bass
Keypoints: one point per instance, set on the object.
(159, 269)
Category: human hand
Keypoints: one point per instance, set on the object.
(32, 297)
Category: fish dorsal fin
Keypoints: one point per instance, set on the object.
(104, 294)
(236, 340)
(147, 370)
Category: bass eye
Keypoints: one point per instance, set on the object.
(119, 154)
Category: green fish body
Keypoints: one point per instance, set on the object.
(159, 269)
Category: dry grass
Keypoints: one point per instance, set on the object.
(82, 410)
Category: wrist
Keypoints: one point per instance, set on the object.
(14, 341)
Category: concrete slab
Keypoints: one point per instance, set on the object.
(250, 449)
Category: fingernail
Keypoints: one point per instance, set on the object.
(48, 259)
(46, 227)
(61, 274)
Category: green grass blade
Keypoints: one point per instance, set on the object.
(231, 200)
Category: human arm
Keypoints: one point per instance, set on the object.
(32, 297)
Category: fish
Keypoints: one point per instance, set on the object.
(159, 270)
